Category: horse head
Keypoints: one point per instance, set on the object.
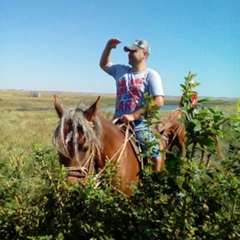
(77, 139)
(173, 132)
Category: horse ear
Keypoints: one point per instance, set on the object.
(58, 106)
(91, 112)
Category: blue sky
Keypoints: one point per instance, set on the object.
(55, 45)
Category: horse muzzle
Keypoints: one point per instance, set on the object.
(76, 174)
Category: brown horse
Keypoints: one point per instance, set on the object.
(84, 140)
(173, 132)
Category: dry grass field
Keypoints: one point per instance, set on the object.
(26, 121)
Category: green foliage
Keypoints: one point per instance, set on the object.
(151, 111)
(189, 203)
(203, 124)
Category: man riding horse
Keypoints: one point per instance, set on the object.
(132, 83)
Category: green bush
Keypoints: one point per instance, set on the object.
(188, 202)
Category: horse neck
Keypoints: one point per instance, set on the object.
(113, 139)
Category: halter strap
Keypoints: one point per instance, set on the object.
(78, 172)
(82, 172)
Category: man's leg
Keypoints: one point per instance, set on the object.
(145, 134)
(158, 164)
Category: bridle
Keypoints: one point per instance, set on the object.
(82, 172)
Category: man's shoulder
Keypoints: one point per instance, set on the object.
(115, 69)
(119, 66)
(152, 73)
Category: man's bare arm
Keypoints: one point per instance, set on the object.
(105, 58)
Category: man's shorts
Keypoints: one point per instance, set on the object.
(145, 134)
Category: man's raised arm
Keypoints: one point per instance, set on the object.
(105, 58)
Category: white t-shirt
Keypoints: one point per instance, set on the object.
(131, 87)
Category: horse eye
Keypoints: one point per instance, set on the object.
(85, 148)
(80, 130)
(82, 148)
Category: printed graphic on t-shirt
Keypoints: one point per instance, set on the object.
(128, 94)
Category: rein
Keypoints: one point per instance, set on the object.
(121, 149)
(174, 136)
(81, 172)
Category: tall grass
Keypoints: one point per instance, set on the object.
(26, 120)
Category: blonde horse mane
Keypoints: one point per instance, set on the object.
(92, 133)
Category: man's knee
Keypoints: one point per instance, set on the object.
(158, 164)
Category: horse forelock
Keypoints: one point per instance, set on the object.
(91, 131)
